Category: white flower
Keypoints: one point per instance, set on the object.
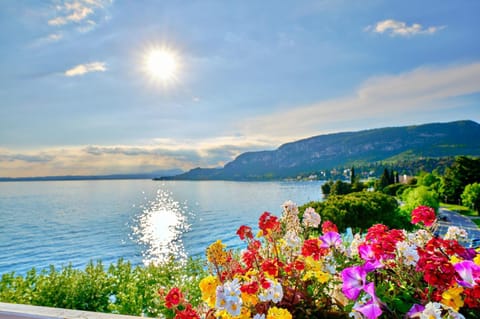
(228, 297)
(408, 253)
(456, 233)
(273, 293)
(311, 218)
(433, 310)
(290, 207)
(259, 316)
(292, 240)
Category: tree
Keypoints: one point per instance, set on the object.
(340, 188)
(421, 195)
(464, 171)
(471, 196)
(384, 180)
(352, 176)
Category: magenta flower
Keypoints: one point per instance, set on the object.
(354, 281)
(371, 309)
(469, 273)
(330, 239)
(371, 262)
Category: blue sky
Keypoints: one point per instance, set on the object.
(75, 97)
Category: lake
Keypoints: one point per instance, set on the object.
(143, 221)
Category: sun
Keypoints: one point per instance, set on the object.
(162, 65)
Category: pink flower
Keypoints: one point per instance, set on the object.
(469, 273)
(371, 309)
(330, 239)
(354, 280)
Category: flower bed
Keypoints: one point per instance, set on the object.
(298, 267)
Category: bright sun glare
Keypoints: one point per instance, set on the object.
(162, 65)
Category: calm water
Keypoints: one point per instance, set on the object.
(44, 223)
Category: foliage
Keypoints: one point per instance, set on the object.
(341, 188)
(417, 196)
(464, 171)
(121, 288)
(360, 210)
(471, 196)
(395, 189)
(295, 268)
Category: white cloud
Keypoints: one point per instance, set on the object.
(78, 12)
(392, 96)
(400, 28)
(82, 69)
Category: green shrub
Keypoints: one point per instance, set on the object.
(121, 288)
(421, 195)
(360, 210)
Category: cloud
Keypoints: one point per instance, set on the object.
(76, 11)
(81, 69)
(394, 28)
(29, 158)
(425, 89)
(51, 38)
(112, 159)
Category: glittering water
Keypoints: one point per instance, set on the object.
(44, 223)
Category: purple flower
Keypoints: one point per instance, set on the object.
(415, 310)
(330, 239)
(371, 262)
(354, 280)
(371, 309)
(469, 273)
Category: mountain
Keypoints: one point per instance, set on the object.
(325, 152)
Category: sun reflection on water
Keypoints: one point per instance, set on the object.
(159, 229)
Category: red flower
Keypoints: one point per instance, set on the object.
(173, 297)
(297, 265)
(328, 226)
(187, 313)
(423, 214)
(270, 266)
(268, 223)
(435, 264)
(383, 241)
(250, 288)
(311, 247)
(245, 232)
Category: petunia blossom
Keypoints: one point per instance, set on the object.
(331, 239)
(469, 273)
(354, 280)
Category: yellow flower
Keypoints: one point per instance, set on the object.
(208, 287)
(216, 253)
(452, 298)
(249, 299)
(454, 260)
(278, 313)
(476, 260)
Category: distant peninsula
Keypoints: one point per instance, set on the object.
(317, 154)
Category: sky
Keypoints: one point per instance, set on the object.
(78, 97)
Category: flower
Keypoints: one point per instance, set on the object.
(311, 218)
(216, 253)
(187, 313)
(452, 298)
(208, 288)
(331, 239)
(354, 280)
(245, 232)
(329, 226)
(423, 214)
(268, 223)
(278, 313)
(173, 298)
(468, 272)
